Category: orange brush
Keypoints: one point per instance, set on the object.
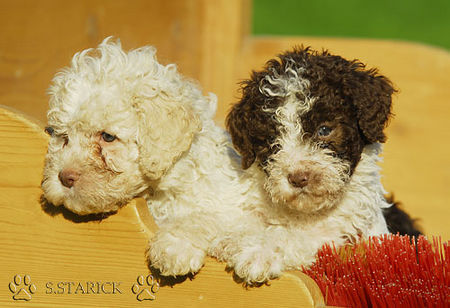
(387, 271)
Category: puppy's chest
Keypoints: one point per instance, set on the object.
(334, 224)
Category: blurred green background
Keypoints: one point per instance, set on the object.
(426, 21)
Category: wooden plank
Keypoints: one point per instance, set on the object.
(225, 25)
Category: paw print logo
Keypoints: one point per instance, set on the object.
(22, 288)
(145, 288)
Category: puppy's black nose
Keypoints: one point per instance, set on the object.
(68, 177)
(299, 178)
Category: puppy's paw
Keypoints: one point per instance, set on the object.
(174, 256)
(257, 264)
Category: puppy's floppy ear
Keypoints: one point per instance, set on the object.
(251, 127)
(166, 130)
(245, 122)
(371, 94)
(238, 124)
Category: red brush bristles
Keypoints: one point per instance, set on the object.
(387, 271)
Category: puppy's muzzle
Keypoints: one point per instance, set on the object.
(68, 177)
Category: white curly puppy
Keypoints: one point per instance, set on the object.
(124, 126)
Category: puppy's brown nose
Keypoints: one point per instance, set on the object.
(68, 177)
(299, 178)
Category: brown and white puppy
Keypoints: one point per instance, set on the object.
(313, 123)
(305, 120)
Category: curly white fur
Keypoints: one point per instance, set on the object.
(289, 239)
(169, 151)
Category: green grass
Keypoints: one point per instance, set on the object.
(426, 21)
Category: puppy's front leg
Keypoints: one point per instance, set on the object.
(257, 260)
(179, 247)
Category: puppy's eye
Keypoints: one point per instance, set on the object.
(49, 130)
(324, 145)
(108, 138)
(324, 131)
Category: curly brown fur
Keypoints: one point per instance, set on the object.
(341, 87)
